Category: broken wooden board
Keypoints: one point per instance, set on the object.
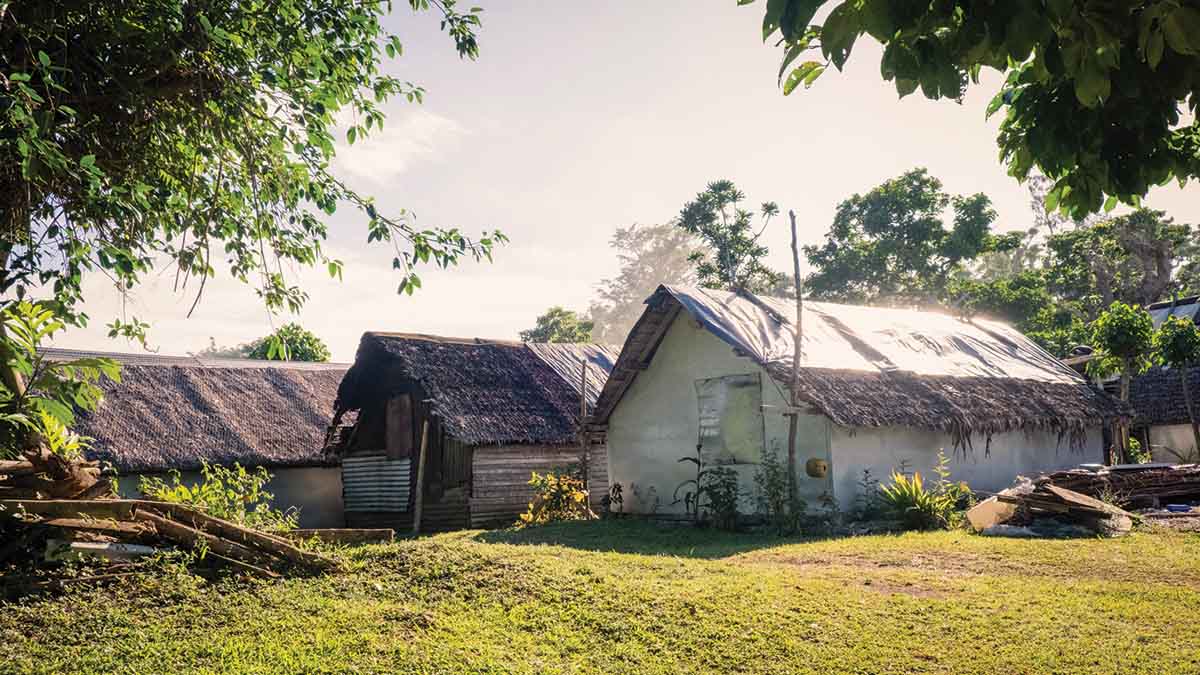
(989, 512)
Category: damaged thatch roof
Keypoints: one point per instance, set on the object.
(172, 412)
(869, 367)
(1157, 396)
(484, 392)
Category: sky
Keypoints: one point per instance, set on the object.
(576, 119)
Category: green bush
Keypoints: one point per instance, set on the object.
(557, 497)
(926, 508)
(233, 494)
(773, 495)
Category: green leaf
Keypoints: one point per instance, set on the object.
(805, 73)
(43, 58)
(1182, 30)
(1110, 203)
(1092, 85)
(1154, 49)
(841, 29)
(87, 161)
(350, 134)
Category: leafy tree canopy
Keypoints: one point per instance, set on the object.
(1124, 335)
(734, 258)
(1093, 92)
(292, 342)
(1138, 258)
(194, 131)
(1177, 342)
(893, 244)
(559, 325)
(649, 255)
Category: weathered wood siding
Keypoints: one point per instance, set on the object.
(500, 487)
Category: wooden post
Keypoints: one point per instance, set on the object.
(584, 460)
(793, 419)
(420, 478)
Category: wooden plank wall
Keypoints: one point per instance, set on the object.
(500, 488)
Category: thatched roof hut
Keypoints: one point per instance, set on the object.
(172, 413)
(491, 411)
(953, 383)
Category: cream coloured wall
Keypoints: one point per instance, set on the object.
(1011, 454)
(1175, 436)
(657, 422)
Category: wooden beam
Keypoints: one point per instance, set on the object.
(420, 502)
(115, 509)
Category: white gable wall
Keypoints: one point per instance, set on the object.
(656, 422)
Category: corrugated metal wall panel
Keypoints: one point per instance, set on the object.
(374, 483)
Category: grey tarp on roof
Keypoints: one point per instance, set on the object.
(567, 359)
(871, 339)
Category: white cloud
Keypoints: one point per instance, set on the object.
(408, 136)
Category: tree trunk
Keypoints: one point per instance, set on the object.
(1191, 410)
(1123, 436)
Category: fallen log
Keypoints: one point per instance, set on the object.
(16, 468)
(107, 526)
(193, 538)
(222, 528)
(113, 509)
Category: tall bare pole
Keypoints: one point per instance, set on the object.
(794, 400)
(584, 460)
(420, 479)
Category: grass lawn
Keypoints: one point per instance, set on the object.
(630, 597)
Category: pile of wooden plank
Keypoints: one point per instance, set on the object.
(1042, 508)
(1136, 486)
(44, 497)
(138, 521)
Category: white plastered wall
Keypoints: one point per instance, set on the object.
(657, 422)
(983, 467)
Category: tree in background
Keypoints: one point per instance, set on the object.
(292, 342)
(559, 325)
(1132, 258)
(1093, 90)
(171, 130)
(892, 244)
(215, 351)
(733, 259)
(1177, 344)
(1123, 337)
(649, 255)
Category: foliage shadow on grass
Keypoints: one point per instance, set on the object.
(642, 537)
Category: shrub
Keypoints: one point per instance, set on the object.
(233, 494)
(922, 508)
(714, 490)
(720, 488)
(558, 496)
(771, 480)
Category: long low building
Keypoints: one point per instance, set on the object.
(879, 389)
(172, 413)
